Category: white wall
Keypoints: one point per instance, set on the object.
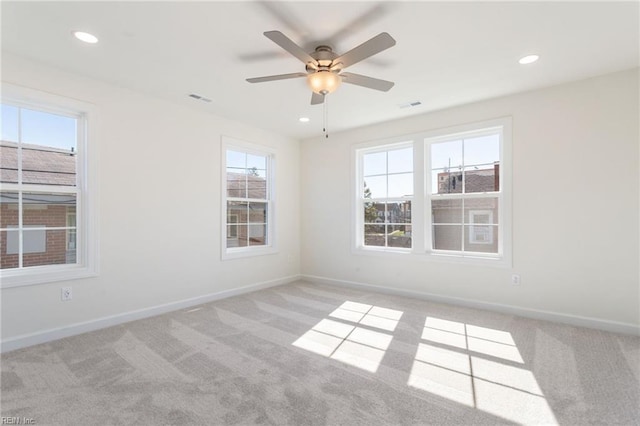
(159, 184)
(575, 206)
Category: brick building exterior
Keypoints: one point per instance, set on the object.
(40, 166)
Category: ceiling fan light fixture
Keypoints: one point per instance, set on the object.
(323, 82)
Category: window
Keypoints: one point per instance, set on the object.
(248, 199)
(465, 193)
(44, 187)
(385, 198)
(443, 194)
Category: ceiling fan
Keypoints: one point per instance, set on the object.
(324, 67)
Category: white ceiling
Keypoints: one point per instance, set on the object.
(447, 53)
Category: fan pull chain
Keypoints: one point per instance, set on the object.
(325, 117)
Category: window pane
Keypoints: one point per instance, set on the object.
(257, 235)
(399, 236)
(377, 186)
(9, 120)
(48, 166)
(237, 210)
(236, 159)
(401, 185)
(482, 150)
(446, 155)
(481, 210)
(400, 160)
(482, 179)
(481, 238)
(257, 184)
(399, 212)
(257, 212)
(46, 248)
(256, 162)
(8, 162)
(8, 260)
(72, 234)
(446, 211)
(232, 228)
(446, 182)
(374, 212)
(49, 130)
(8, 209)
(447, 237)
(374, 235)
(47, 210)
(236, 183)
(237, 235)
(375, 164)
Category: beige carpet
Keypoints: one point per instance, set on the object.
(303, 354)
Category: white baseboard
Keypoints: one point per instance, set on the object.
(31, 339)
(599, 324)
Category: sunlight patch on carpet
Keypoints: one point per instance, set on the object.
(339, 338)
(479, 367)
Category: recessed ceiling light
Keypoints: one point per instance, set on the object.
(86, 37)
(304, 119)
(529, 59)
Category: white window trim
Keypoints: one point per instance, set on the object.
(87, 218)
(251, 148)
(421, 205)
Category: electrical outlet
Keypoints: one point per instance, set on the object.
(515, 279)
(66, 294)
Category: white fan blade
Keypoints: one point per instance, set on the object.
(364, 81)
(375, 45)
(285, 42)
(276, 77)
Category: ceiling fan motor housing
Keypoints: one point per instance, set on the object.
(325, 56)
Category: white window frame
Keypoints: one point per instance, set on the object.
(87, 219)
(360, 200)
(421, 221)
(227, 253)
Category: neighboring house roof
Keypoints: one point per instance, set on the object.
(41, 165)
(237, 182)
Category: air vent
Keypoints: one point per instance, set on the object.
(410, 104)
(200, 98)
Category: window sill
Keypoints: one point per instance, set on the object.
(44, 274)
(453, 258)
(382, 251)
(238, 253)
